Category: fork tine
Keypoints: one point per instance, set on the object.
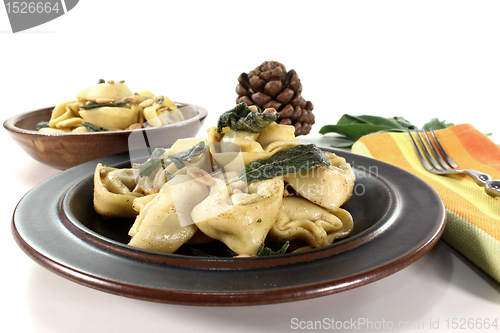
(419, 153)
(440, 164)
(443, 152)
(426, 151)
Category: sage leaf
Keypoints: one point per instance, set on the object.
(436, 124)
(242, 117)
(405, 123)
(95, 105)
(177, 162)
(156, 158)
(158, 153)
(168, 175)
(191, 152)
(355, 131)
(352, 128)
(295, 159)
(93, 128)
(42, 124)
(341, 142)
(265, 251)
(149, 166)
(152, 163)
(187, 154)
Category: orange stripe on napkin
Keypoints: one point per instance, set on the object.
(483, 151)
(473, 216)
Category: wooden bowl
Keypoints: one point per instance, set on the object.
(65, 150)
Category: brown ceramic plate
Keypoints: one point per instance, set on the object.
(65, 150)
(398, 218)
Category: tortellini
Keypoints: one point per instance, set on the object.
(110, 117)
(158, 226)
(110, 90)
(327, 186)
(113, 192)
(300, 219)
(157, 116)
(111, 106)
(240, 220)
(254, 146)
(153, 182)
(193, 193)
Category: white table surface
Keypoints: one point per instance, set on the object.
(391, 58)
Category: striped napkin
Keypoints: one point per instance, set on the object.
(473, 217)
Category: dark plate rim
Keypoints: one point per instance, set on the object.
(432, 222)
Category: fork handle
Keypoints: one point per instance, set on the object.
(492, 187)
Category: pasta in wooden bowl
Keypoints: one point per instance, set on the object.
(110, 106)
(99, 123)
(250, 189)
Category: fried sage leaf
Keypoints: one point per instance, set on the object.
(191, 152)
(154, 161)
(295, 159)
(42, 124)
(93, 128)
(187, 154)
(157, 159)
(242, 118)
(265, 251)
(95, 105)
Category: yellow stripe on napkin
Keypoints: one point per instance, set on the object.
(473, 217)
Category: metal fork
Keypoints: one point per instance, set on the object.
(442, 164)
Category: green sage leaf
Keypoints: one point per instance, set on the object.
(93, 128)
(295, 159)
(158, 153)
(149, 166)
(187, 154)
(152, 163)
(168, 175)
(265, 251)
(42, 124)
(242, 117)
(341, 142)
(354, 131)
(352, 128)
(177, 162)
(191, 152)
(436, 124)
(405, 123)
(95, 105)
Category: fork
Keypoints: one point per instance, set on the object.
(442, 164)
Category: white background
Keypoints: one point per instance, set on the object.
(416, 59)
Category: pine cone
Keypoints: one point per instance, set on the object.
(271, 86)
